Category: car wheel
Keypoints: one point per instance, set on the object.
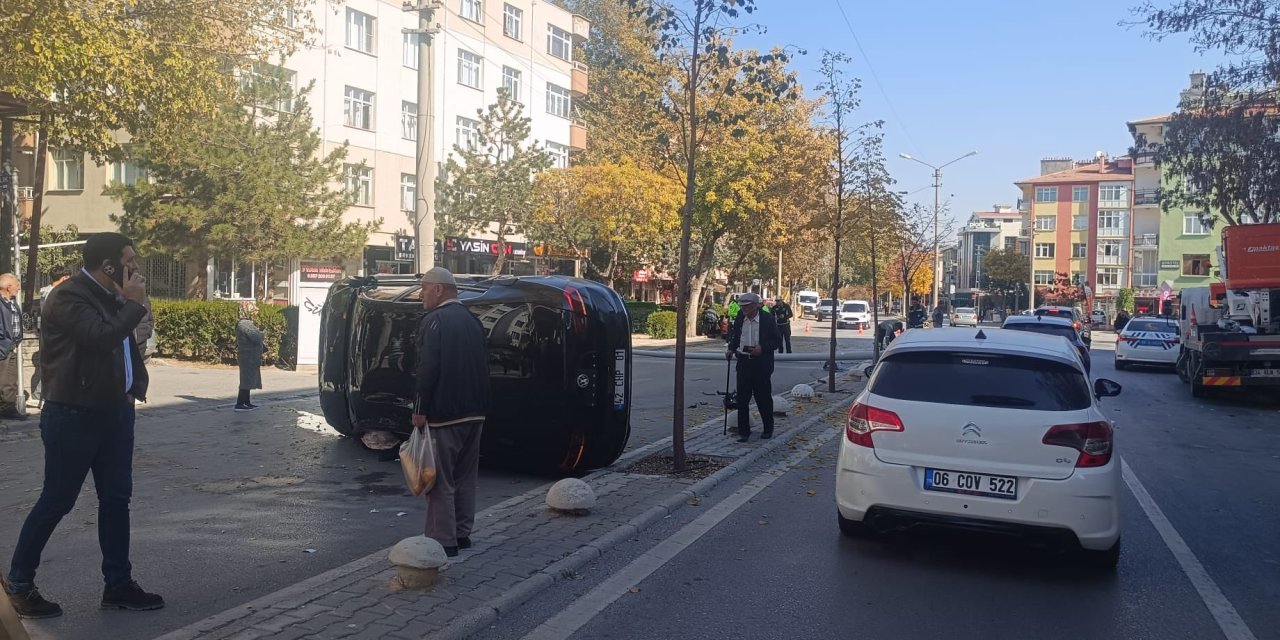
(1106, 559)
(853, 528)
(1121, 365)
(1194, 375)
(1180, 367)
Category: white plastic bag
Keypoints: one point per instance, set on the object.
(418, 460)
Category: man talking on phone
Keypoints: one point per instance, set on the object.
(753, 339)
(92, 374)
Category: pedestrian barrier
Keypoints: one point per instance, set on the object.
(782, 357)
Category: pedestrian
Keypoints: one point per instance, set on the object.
(452, 398)
(248, 355)
(753, 340)
(1122, 319)
(886, 331)
(146, 329)
(56, 277)
(937, 317)
(93, 373)
(12, 405)
(782, 314)
(734, 308)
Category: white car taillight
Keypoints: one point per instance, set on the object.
(1092, 439)
(864, 420)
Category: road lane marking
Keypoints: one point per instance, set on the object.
(572, 618)
(1229, 621)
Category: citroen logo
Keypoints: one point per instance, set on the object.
(971, 429)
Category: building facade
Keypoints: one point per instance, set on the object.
(1001, 228)
(1081, 216)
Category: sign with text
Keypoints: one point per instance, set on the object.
(641, 275)
(1168, 264)
(490, 247)
(319, 272)
(406, 248)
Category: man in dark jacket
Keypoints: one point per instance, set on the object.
(93, 373)
(782, 314)
(753, 339)
(12, 406)
(452, 398)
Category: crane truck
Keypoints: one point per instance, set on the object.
(1230, 330)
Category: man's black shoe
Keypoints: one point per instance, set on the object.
(464, 543)
(31, 605)
(452, 552)
(766, 435)
(131, 596)
(744, 438)
(13, 415)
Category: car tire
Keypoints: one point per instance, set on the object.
(1121, 365)
(853, 528)
(1106, 559)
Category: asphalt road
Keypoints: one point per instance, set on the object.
(778, 567)
(229, 507)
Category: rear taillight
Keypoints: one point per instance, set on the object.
(1077, 325)
(864, 420)
(1092, 439)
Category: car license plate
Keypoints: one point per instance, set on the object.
(973, 484)
(1265, 373)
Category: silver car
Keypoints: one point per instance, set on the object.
(964, 316)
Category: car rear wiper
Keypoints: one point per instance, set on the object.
(1003, 401)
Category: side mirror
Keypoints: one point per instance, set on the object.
(867, 372)
(1104, 388)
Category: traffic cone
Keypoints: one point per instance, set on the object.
(859, 329)
(808, 328)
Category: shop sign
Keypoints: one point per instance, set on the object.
(1168, 264)
(550, 251)
(406, 248)
(485, 247)
(642, 275)
(319, 272)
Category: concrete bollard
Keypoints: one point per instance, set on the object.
(571, 496)
(802, 391)
(418, 561)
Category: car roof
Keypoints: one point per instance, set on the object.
(1060, 321)
(987, 340)
(1169, 319)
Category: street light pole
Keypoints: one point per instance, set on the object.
(937, 209)
(424, 214)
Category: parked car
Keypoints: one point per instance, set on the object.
(826, 309)
(854, 314)
(1075, 314)
(990, 430)
(1148, 340)
(1052, 326)
(559, 362)
(961, 316)
(1098, 318)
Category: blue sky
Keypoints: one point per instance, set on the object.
(1013, 80)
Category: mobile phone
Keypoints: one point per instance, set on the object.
(115, 270)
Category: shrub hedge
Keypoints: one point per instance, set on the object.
(205, 330)
(661, 324)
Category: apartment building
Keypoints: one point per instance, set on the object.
(1001, 228)
(364, 68)
(1082, 224)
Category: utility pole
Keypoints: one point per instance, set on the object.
(933, 268)
(779, 272)
(424, 215)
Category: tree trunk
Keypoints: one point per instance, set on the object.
(33, 250)
(613, 268)
(501, 261)
(705, 257)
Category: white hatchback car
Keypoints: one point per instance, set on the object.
(1149, 340)
(964, 316)
(988, 429)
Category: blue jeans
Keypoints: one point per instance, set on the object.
(76, 441)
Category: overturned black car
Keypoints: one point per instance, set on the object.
(559, 361)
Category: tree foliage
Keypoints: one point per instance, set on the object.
(249, 184)
(1005, 271)
(54, 258)
(487, 183)
(621, 210)
(911, 245)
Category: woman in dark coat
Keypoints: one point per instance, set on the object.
(249, 355)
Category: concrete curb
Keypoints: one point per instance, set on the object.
(476, 620)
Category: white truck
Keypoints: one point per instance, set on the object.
(807, 301)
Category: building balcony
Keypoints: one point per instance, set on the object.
(1146, 241)
(1110, 260)
(579, 80)
(1146, 197)
(581, 29)
(1144, 280)
(1113, 232)
(1145, 159)
(577, 137)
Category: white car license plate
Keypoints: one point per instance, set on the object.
(1265, 373)
(973, 484)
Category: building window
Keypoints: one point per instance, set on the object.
(126, 173)
(234, 280)
(1193, 225)
(559, 155)
(272, 77)
(471, 10)
(408, 191)
(512, 21)
(1043, 277)
(559, 43)
(1079, 223)
(357, 109)
(467, 128)
(68, 170)
(1079, 250)
(408, 120)
(1046, 194)
(557, 100)
(1079, 194)
(1109, 252)
(1113, 193)
(1109, 277)
(1045, 249)
(360, 31)
(511, 80)
(1195, 264)
(469, 69)
(360, 183)
(1111, 223)
(410, 52)
(1046, 223)
(1010, 244)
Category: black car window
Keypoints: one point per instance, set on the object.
(385, 293)
(1051, 329)
(1060, 313)
(1155, 326)
(1015, 382)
